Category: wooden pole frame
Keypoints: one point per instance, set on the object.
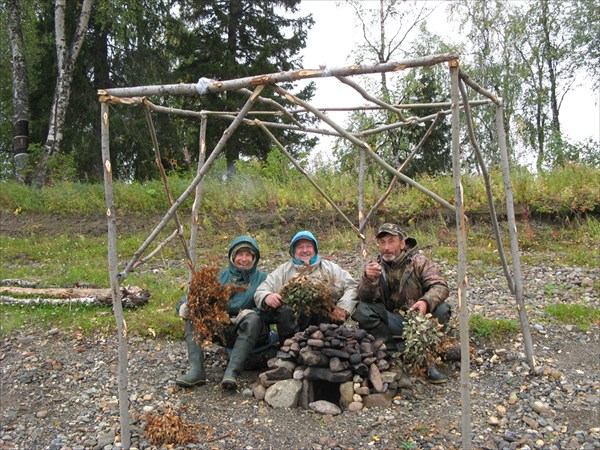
(252, 87)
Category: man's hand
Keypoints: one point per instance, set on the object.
(184, 310)
(339, 314)
(420, 306)
(372, 271)
(273, 300)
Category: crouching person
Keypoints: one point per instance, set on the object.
(401, 279)
(247, 328)
(305, 259)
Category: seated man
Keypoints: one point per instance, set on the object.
(247, 328)
(304, 251)
(400, 279)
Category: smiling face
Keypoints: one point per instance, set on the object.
(304, 250)
(243, 259)
(390, 247)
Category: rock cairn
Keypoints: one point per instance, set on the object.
(308, 363)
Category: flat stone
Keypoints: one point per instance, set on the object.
(313, 359)
(325, 407)
(319, 373)
(376, 401)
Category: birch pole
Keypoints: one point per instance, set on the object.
(461, 284)
(111, 218)
(488, 188)
(198, 194)
(514, 241)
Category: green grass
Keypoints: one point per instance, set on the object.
(579, 315)
(492, 329)
(289, 203)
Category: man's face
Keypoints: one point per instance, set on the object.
(243, 259)
(390, 247)
(304, 250)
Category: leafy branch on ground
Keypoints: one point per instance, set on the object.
(168, 428)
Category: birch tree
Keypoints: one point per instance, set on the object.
(20, 89)
(66, 56)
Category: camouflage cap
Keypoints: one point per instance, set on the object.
(390, 228)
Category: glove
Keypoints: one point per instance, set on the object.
(184, 310)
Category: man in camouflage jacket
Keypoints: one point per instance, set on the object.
(401, 279)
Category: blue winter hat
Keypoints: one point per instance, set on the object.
(304, 235)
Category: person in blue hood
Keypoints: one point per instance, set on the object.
(305, 258)
(247, 328)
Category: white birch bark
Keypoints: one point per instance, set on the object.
(20, 82)
(66, 56)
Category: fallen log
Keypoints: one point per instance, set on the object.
(131, 296)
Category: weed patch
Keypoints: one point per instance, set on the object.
(579, 315)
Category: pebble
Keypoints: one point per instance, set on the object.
(73, 403)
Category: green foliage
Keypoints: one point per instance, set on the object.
(493, 329)
(423, 338)
(578, 315)
(308, 295)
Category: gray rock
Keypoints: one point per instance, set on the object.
(283, 394)
(325, 407)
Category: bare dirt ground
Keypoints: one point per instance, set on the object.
(59, 390)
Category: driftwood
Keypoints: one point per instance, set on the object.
(131, 296)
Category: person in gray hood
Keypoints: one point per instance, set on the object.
(305, 258)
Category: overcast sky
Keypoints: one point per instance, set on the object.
(334, 36)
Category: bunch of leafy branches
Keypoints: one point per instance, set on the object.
(207, 302)
(424, 340)
(168, 429)
(308, 296)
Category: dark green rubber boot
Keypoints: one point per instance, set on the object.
(239, 354)
(196, 376)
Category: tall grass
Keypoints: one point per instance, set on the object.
(570, 190)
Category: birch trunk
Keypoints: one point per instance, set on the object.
(66, 55)
(20, 91)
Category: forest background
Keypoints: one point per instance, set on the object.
(56, 54)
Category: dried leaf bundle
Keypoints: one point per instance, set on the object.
(169, 429)
(308, 296)
(207, 302)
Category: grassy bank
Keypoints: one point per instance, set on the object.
(271, 208)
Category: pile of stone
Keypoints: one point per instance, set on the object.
(329, 368)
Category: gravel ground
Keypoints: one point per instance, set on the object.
(59, 390)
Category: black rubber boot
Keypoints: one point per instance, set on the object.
(196, 376)
(435, 376)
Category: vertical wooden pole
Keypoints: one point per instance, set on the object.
(197, 196)
(465, 388)
(514, 242)
(114, 280)
(361, 204)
